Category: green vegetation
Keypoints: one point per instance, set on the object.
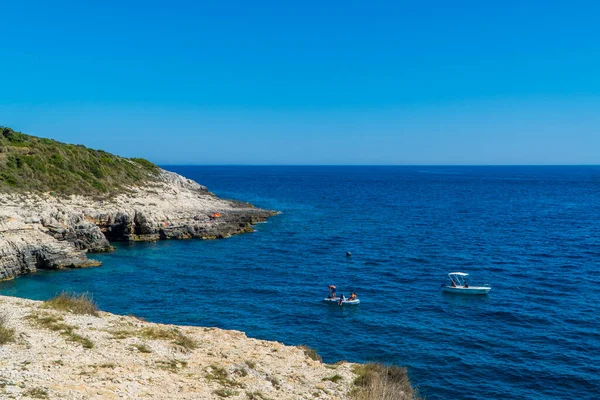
(6, 334)
(382, 382)
(76, 303)
(29, 163)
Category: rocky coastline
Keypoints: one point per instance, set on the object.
(61, 354)
(48, 231)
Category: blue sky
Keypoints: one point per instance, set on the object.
(272, 82)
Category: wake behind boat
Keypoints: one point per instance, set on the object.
(458, 284)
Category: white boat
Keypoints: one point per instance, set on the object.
(459, 284)
(336, 300)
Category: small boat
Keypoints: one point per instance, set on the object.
(332, 298)
(460, 285)
(336, 300)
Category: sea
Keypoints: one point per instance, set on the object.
(531, 232)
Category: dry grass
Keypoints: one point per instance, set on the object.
(219, 374)
(335, 379)
(310, 353)
(171, 365)
(225, 392)
(56, 324)
(185, 341)
(256, 395)
(382, 382)
(158, 333)
(142, 348)
(76, 303)
(36, 393)
(7, 335)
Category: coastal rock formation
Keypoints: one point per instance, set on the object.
(60, 355)
(48, 231)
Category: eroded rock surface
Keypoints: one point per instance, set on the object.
(60, 355)
(44, 231)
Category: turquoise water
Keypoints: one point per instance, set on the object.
(533, 233)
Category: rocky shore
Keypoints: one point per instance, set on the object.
(46, 231)
(56, 354)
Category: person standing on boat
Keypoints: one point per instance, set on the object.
(332, 294)
(342, 299)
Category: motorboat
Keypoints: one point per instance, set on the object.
(336, 300)
(458, 284)
(332, 298)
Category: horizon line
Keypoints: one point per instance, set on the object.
(376, 165)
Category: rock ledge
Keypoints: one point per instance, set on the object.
(45, 231)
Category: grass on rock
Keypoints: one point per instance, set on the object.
(76, 303)
(158, 333)
(310, 353)
(142, 348)
(336, 378)
(36, 393)
(382, 382)
(256, 395)
(56, 324)
(219, 374)
(7, 334)
(225, 392)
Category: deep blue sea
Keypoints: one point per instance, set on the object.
(533, 233)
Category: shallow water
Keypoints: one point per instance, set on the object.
(533, 233)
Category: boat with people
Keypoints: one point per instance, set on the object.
(341, 300)
(459, 284)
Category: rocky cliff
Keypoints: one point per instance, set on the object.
(50, 354)
(49, 231)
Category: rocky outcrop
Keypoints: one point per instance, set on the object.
(61, 355)
(44, 231)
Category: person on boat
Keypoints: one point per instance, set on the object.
(352, 296)
(342, 299)
(466, 285)
(332, 294)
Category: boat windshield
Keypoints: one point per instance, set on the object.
(459, 278)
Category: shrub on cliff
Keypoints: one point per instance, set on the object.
(73, 302)
(29, 163)
(382, 382)
(6, 334)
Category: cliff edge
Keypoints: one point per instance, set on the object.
(54, 354)
(59, 202)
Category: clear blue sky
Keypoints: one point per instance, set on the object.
(308, 82)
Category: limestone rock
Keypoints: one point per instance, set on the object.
(43, 231)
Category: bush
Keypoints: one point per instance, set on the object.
(76, 303)
(311, 353)
(382, 382)
(7, 334)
